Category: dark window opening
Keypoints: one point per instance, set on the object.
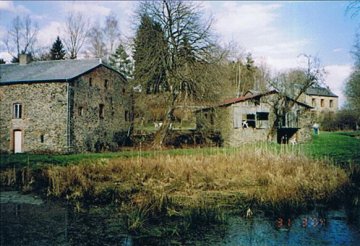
(331, 103)
(106, 83)
(262, 116)
(17, 111)
(123, 90)
(81, 111)
(322, 102)
(313, 102)
(42, 138)
(101, 111)
(90, 82)
(127, 115)
(250, 119)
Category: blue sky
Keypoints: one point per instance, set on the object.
(275, 32)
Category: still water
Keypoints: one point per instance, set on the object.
(26, 220)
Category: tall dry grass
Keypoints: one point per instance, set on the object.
(169, 183)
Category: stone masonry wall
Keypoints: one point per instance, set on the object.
(90, 130)
(44, 113)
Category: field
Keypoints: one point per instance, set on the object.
(341, 147)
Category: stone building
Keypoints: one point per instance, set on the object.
(62, 106)
(321, 99)
(251, 118)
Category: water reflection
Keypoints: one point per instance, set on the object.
(54, 224)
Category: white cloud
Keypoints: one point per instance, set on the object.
(48, 33)
(92, 10)
(336, 50)
(6, 56)
(336, 77)
(253, 26)
(10, 7)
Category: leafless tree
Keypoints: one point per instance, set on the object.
(76, 31)
(21, 36)
(291, 85)
(188, 61)
(111, 32)
(96, 41)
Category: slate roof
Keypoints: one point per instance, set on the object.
(319, 91)
(47, 71)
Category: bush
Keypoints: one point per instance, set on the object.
(342, 120)
(122, 138)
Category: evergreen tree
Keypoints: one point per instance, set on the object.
(149, 55)
(2, 61)
(120, 61)
(57, 51)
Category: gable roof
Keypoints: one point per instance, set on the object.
(249, 96)
(244, 98)
(47, 71)
(319, 91)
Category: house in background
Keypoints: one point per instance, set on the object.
(321, 99)
(251, 118)
(61, 106)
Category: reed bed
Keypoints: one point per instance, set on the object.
(169, 184)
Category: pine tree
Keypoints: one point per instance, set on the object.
(57, 51)
(149, 55)
(120, 61)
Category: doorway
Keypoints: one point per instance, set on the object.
(18, 141)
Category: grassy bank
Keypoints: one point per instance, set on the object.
(341, 147)
(259, 176)
(195, 183)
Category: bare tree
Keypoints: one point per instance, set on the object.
(188, 44)
(21, 36)
(76, 31)
(290, 86)
(96, 41)
(111, 32)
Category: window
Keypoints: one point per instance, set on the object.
(17, 111)
(262, 116)
(313, 102)
(81, 111)
(331, 103)
(42, 138)
(90, 82)
(101, 111)
(106, 83)
(262, 120)
(322, 102)
(250, 119)
(127, 118)
(123, 90)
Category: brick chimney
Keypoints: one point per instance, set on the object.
(24, 59)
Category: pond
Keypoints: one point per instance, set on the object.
(27, 220)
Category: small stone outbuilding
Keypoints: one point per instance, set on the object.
(62, 106)
(252, 118)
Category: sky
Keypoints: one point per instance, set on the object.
(274, 32)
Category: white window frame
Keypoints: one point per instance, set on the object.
(17, 111)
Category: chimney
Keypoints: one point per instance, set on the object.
(24, 59)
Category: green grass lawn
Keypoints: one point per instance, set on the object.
(342, 147)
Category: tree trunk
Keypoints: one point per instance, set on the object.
(164, 130)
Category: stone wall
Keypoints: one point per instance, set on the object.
(93, 130)
(234, 134)
(44, 116)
